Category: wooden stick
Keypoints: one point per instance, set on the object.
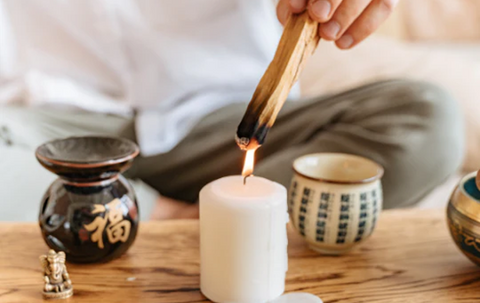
(299, 41)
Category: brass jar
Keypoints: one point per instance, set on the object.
(463, 214)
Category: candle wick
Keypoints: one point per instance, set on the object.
(245, 178)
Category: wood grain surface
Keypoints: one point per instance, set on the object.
(409, 258)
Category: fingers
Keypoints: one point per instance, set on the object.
(297, 6)
(348, 22)
(287, 7)
(283, 11)
(322, 10)
(370, 19)
(344, 16)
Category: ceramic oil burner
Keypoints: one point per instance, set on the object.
(90, 212)
(463, 215)
(335, 200)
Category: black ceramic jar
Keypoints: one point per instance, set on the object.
(90, 212)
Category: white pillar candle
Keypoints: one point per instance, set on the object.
(243, 240)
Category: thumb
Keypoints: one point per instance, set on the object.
(283, 11)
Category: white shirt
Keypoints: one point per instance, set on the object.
(171, 61)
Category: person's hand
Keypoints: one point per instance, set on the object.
(347, 22)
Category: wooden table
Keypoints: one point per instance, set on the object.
(409, 258)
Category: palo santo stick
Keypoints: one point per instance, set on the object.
(298, 42)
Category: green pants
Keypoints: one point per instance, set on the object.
(413, 129)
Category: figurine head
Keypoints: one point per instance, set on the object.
(53, 263)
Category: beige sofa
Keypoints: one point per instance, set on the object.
(432, 40)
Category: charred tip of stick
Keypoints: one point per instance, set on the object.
(247, 144)
(242, 142)
(245, 178)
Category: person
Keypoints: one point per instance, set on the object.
(176, 77)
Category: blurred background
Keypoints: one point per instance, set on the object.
(432, 40)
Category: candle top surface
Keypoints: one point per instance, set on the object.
(254, 188)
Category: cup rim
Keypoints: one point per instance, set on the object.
(462, 185)
(377, 176)
(83, 164)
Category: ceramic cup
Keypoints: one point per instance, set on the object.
(334, 200)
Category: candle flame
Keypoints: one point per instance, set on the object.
(249, 163)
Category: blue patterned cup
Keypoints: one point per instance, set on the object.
(335, 200)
